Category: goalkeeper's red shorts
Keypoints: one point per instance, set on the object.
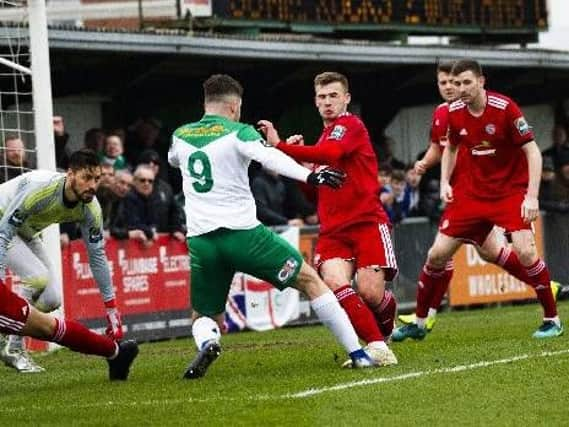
(14, 311)
(471, 220)
(366, 244)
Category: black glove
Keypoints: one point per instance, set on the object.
(331, 177)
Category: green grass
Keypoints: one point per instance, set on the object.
(252, 381)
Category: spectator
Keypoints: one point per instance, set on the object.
(269, 192)
(297, 204)
(171, 216)
(148, 212)
(151, 158)
(62, 148)
(560, 143)
(94, 139)
(105, 194)
(399, 207)
(554, 189)
(14, 160)
(116, 225)
(113, 152)
(412, 193)
(384, 181)
(141, 221)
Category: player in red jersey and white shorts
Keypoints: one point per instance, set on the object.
(354, 235)
(498, 182)
(18, 317)
(433, 281)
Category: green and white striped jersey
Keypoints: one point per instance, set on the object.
(34, 200)
(214, 155)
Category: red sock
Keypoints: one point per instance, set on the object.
(441, 286)
(359, 313)
(385, 313)
(540, 281)
(428, 279)
(509, 261)
(77, 337)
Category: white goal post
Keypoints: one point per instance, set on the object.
(24, 61)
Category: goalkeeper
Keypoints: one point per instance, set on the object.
(28, 204)
(224, 234)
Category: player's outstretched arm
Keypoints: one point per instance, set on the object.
(92, 232)
(282, 164)
(326, 152)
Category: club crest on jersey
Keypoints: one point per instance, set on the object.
(490, 128)
(522, 126)
(337, 133)
(287, 270)
(483, 149)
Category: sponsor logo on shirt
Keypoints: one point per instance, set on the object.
(337, 133)
(287, 270)
(522, 126)
(17, 219)
(490, 128)
(95, 235)
(483, 149)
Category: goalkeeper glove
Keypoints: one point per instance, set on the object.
(114, 323)
(328, 176)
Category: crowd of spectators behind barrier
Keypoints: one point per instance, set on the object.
(140, 195)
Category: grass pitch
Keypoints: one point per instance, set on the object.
(478, 367)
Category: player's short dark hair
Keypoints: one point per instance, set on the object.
(444, 67)
(398, 175)
(466, 65)
(219, 86)
(328, 77)
(83, 159)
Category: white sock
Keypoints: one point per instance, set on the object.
(554, 319)
(432, 312)
(420, 321)
(205, 329)
(333, 316)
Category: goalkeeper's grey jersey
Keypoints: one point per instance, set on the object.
(214, 155)
(34, 200)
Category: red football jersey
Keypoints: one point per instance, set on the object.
(440, 136)
(345, 145)
(495, 165)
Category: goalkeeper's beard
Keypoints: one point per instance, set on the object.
(85, 196)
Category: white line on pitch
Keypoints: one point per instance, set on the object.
(298, 395)
(410, 375)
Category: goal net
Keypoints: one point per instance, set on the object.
(25, 104)
(17, 136)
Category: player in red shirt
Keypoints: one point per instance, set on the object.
(354, 229)
(433, 281)
(500, 186)
(18, 317)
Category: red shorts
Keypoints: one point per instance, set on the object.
(14, 311)
(472, 219)
(368, 244)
